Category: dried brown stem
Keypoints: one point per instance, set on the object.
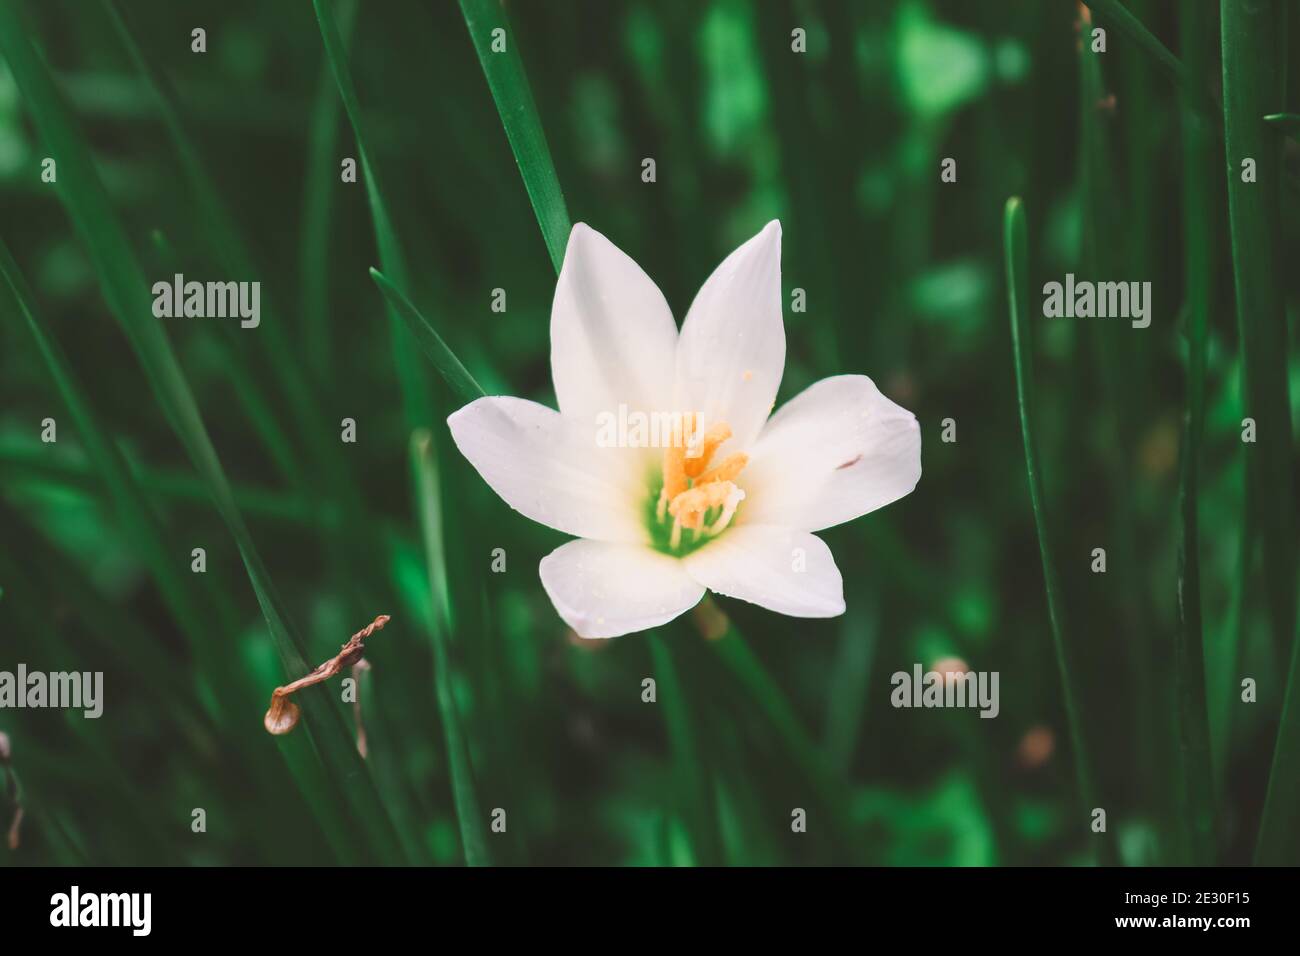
(282, 716)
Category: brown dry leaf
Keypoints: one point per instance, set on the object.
(282, 716)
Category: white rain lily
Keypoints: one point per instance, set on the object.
(732, 506)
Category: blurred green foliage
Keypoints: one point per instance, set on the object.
(904, 282)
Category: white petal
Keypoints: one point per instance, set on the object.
(791, 572)
(731, 352)
(548, 468)
(612, 334)
(604, 590)
(834, 452)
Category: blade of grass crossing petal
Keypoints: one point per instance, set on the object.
(1199, 188)
(454, 373)
(1015, 244)
(468, 812)
(126, 290)
(1254, 81)
(498, 52)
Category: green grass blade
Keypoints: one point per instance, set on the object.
(417, 399)
(1285, 121)
(32, 463)
(754, 677)
(319, 184)
(846, 698)
(797, 743)
(126, 290)
(256, 407)
(1119, 384)
(468, 812)
(337, 489)
(204, 630)
(1254, 81)
(1015, 243)
(690, 777)
(514, 100)
(1115, 14)
(1229, 653)
(1279, 830)
(138, 520)
(1199, 190)
(336, 485)
(229, 249)
(444, 360)
(1254, 84)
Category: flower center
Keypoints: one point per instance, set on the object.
(694, 497)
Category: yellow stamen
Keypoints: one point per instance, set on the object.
(714, 437)
(689, 507)
(691, 489)
(674, 471)
(731, 466)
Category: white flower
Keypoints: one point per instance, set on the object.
(734, 512)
